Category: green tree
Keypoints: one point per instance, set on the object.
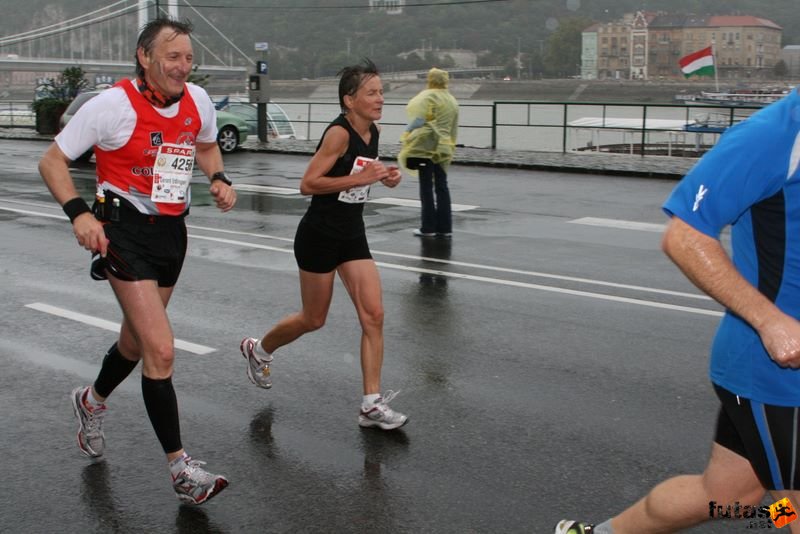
(65, 87)
(54, 96)
(563, 54)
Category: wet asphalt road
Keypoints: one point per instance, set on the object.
(549, 368)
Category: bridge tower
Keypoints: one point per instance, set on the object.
(144, 8)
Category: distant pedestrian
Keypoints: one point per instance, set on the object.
(429, 143)
(751, 181)
(147, 135)
(331, 240)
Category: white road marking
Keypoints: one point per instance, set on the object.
(237, 232)
(552, 289)
(471, 265)
(617, 223)
(48, 205)
(498, 281)
(285, 191)
(109, 325)
(391, 201)
(252, 188)
(412, 203)
(698, 296)
(36, 213)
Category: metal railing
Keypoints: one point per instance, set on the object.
(16, 114)
(645, 129)
(311, 118)
(642, 129)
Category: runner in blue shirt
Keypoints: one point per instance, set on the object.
(750, 181)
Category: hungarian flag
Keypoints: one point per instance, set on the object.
(700, 63)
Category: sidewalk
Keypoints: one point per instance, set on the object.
(580, 162)
(583, 162)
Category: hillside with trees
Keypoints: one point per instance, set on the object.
(314, 38)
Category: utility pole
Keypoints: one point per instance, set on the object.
(143, 6)
(519, 60)
(172, 8)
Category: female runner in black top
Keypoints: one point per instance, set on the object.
(331, 239)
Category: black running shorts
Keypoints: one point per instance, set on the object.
(145, 251)
(764, 434)
(316, 252)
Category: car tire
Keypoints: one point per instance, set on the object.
(228, 139)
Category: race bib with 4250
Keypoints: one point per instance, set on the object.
(172, 173)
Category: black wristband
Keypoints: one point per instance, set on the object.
(75, 207)
(221, 176)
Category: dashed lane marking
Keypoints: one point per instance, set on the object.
(617, 223)
(109, 325)
(411, 203)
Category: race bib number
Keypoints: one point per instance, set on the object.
(172, 173)
(360, 193)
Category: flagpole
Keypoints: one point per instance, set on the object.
(714, 62)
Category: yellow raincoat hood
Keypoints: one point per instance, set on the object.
(436, 138)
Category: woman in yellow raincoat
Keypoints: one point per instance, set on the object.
(428, 146)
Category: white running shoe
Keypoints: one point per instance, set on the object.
(91, 439)
(195, 485)
(257, 367)
(381, 415)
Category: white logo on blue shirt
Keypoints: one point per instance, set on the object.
(701, 193)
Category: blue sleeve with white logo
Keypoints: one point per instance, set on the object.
(748, 164)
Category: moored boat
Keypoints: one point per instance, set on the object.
(738, 97)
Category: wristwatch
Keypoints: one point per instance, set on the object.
(222, 177)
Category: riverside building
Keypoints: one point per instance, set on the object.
(647, 46)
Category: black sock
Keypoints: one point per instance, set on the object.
(114, 370)
(162, 408)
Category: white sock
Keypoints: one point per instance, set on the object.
(369, 400)
(90, 398)
(261, 353)
(177, 465)
(604, 528)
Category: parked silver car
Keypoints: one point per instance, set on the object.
(232, 129)
(279, 126)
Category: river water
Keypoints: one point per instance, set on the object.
(536, 126)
